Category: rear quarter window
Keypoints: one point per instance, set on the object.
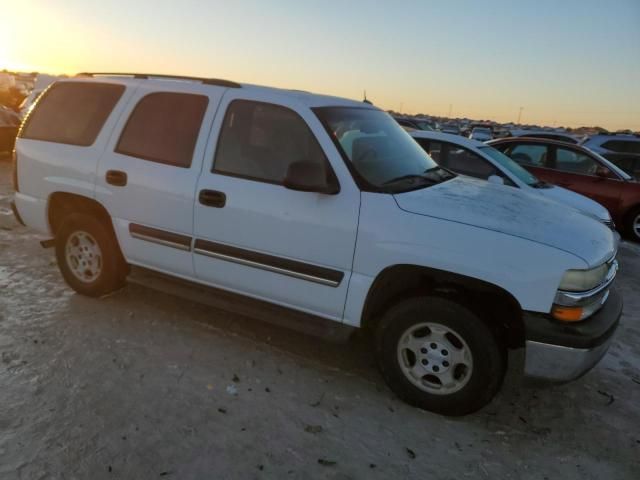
(623, 146)
(72, 113)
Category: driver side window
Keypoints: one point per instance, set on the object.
(572, 161)
(259, 141)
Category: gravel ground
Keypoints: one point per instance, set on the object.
(145, 385)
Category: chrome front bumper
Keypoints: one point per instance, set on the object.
(561, 364)
(561, 352)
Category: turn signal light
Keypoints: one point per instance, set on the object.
(568, 314)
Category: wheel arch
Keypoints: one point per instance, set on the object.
(62, 204)
(497, 307)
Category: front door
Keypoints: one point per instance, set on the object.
(259, 238)
(578, 171)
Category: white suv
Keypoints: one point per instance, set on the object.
(325, 206)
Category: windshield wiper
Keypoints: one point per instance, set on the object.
(432, 176)
(411, 176)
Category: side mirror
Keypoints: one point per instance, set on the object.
(602, 172)
(310, 177)
(496, 180)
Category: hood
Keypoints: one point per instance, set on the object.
(513, 211)
(575, 200)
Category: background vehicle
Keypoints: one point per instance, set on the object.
(613, 143)
(414, 123)
(482, 134)
(478, 160)
(581, 170)
(450, 128)
(629, 162)
(562, 137)
(41, 83)
(9, 124)
(321, 205)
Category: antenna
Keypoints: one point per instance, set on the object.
(366, 100)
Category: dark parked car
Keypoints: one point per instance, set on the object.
(9, 123)
(581, 170)
(561, 137)
(629, 162)
(414, 123)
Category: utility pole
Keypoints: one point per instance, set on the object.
(520, 114)
(450, 110)
(401, 107)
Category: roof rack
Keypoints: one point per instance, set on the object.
(145, 76)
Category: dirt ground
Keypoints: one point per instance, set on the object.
(144, 385)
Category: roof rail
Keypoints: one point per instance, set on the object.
(206, 81)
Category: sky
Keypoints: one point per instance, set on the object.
(569, 63)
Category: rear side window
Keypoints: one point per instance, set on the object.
(259, 141)
(164, 128)
(72, 112)
(623, 146)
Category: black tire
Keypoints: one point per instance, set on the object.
(631, 218)
(488, 357)
(112, 271)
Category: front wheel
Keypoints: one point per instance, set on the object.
(633, 224)
(88, 256)
(437, 355)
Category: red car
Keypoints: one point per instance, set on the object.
(581, 170)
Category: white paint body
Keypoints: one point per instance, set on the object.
(510, 238)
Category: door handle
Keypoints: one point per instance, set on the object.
(212, 198)
(116, 178)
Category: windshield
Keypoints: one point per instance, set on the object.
(621, 173)
(511, 166)
(380, 151)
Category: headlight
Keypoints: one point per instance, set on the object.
(583, 292)
(584, 280)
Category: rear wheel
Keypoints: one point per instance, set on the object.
(633, 224)
(438, 355)
(88, 256)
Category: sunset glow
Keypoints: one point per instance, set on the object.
(574, 63)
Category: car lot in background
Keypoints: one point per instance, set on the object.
(481, 134)
(629, 162)
(581, 170)
(613, 143)
(478, 160)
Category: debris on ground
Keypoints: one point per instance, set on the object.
(232, 390)
(313, 429)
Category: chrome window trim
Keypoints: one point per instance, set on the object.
(269, 268)
(159, 241)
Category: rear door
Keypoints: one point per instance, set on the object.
(577, 171)
(147, 176)
(255, 236)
